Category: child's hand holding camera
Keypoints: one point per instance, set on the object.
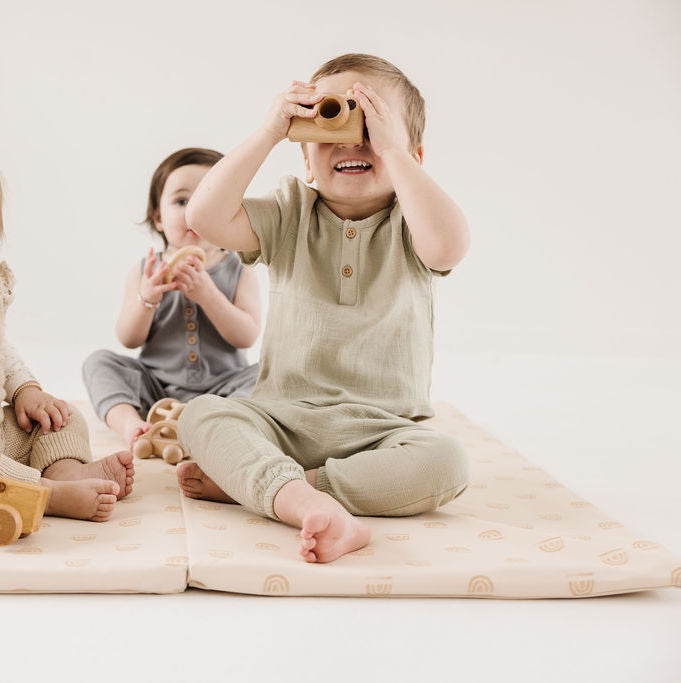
(292, 102)
(386, 129)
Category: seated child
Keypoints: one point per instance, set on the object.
(191, 329)
(43, 440)
(331, 431)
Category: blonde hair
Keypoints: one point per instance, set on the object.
(414, 104)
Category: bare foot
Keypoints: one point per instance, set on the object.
(134, 430)
(125, 420)
(90, 499)
(328, 530)
(117, 467)
(196, 484)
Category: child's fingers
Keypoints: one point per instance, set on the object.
(184, 279)
(290, 110)
(158, 274)
(149, 263)
(376, 100)
(302, 98)
(63, 408)
(55, 416)
(165, 287)
(43, 418)
(364, 102)
(22, 420)
(304, 84)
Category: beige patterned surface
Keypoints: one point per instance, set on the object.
(141, 549)
(515, 533)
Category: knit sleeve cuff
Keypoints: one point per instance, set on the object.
(16, 373)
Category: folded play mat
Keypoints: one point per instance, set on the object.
(514, 533)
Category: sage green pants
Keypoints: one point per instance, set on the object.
(372, 462)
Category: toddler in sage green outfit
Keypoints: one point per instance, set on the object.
(331, 430)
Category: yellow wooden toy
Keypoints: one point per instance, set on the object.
(181, 255)
(22, 506)
(161, 439)
(339, 118)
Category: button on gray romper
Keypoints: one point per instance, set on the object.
(184, 356)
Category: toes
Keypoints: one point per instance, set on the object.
(315, 524)
(124, 458)
(105, 499)
(308, 555)
(107, 486)
(308, 543)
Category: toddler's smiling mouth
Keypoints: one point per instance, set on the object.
(352, 166)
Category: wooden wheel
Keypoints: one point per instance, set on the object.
(10, 524)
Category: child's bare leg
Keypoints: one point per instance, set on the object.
(117, 467)
(328, 530)
(123, 418)
(90, 499)
(196, 484)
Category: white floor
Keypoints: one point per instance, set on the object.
(605, 427)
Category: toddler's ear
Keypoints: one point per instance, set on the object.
(309, 177)
(157, 220)
(418, 155)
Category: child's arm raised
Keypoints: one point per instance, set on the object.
(438, 228)
(143, 293)
(215, 211)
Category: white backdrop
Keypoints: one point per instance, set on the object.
(555, 125)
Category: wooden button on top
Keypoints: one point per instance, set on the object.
(347, 271)
(193, 357)
(189, 311)
(191, 341)
(191, 325)
(350, 233)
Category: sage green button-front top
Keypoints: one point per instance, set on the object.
(350, 319)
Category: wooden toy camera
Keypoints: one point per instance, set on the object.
(339, 118)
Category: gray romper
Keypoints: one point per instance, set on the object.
(184, 356)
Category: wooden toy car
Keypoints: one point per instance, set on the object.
(161, 439)
(165, 409)
(339, 118)
(22, 506)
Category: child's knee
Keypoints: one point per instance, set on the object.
(200, 417)
(449, 469)
(95, 361)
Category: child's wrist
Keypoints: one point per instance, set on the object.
(22, 387)
(147, 303)
(270, 137)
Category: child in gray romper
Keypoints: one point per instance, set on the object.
(192, 330)
(331, 431)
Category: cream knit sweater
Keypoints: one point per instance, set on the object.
(13, 372)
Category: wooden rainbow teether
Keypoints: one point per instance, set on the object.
(182, 255)
(161, 439)
(22, 506)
